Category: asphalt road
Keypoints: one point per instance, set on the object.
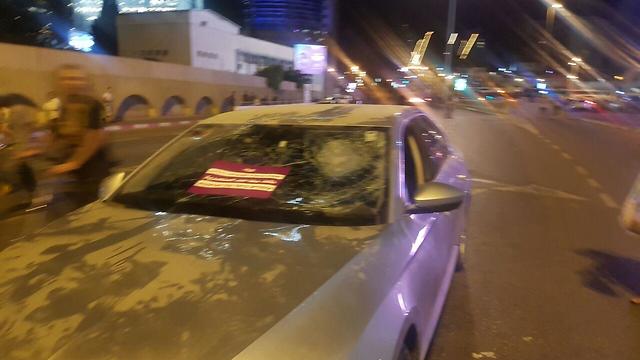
(548, 271)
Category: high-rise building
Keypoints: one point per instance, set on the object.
(289, 21)
(86, 11)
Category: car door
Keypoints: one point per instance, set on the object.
(432, 236)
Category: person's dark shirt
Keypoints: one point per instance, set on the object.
(79, 114)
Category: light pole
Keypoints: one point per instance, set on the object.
(551, 16)
(451, 25)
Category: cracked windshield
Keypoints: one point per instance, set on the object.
(332, 175)
(320, 179)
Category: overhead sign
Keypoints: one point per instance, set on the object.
(235, 179)
(310, 59)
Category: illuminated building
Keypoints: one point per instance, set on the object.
(289, 21)
(87, 11)
(197, 38)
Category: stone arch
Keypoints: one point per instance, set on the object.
(133, 107)
(204, 107)
(10, 100)
(173, 106)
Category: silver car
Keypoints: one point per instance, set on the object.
(290, 232)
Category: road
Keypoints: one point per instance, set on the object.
(548, 270)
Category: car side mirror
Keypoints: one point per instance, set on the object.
(436, 197)
(109, 185)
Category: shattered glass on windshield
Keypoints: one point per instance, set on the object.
(337, 177)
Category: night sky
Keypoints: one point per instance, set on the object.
(506, 25)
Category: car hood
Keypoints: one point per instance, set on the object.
(108, 282)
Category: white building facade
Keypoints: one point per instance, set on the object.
(198, 38)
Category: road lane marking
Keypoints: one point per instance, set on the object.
(581, 170)
(566, 156)
(593, 183)
(532, 189)
(607, 200)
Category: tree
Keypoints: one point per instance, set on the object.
(297, 77)
(35, 22)
(60, 16)
(104, 28)
(274, 75)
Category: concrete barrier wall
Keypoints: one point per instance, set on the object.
(28, 71)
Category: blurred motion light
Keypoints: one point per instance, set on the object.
(518, 79)
(618, 77)
(572, 63)
(355, 68)
(541, 86)
(331, 70)
(460, 85)
(557, 6)
(576, 59)
(415, 100)
(81, 40)
(572, 77)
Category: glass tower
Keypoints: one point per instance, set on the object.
(288, 21)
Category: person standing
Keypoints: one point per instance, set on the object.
(229, 103)
(107, 102)
(630, 216)
(77, 143)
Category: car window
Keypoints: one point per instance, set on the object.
(334, 175)
(432, 145)
(425, 152)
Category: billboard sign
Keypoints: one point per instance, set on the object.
(310, 59)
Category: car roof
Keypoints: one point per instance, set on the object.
(315, 114)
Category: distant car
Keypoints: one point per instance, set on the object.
(337, 99)
(293, 232)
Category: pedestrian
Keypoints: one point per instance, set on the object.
(77, 143)
(107, 102)
(450, 105)
(630, 216)
(229, 103)
(51, 108)
(18, 126)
